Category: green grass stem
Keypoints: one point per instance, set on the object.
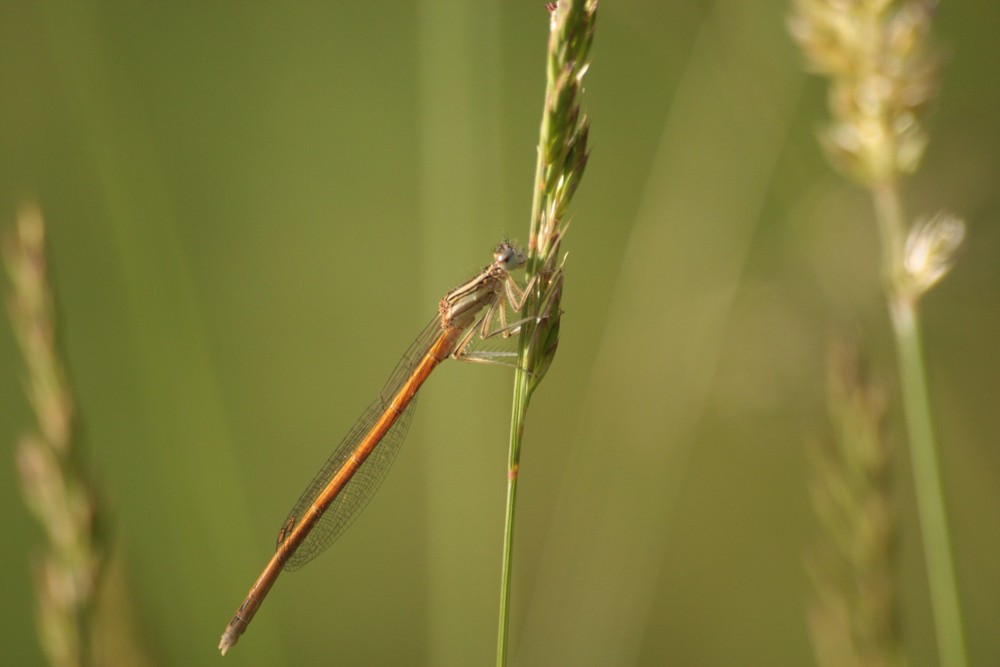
(884, 74)
(562, 157)
(904, 287)
(927, 483)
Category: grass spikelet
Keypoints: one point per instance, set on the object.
(562, 159)
(53, 483)
(883, 75)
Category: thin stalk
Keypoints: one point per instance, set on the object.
(562, 157)
(513, 464)
(892, 232)
(902, 300)
(927, 483)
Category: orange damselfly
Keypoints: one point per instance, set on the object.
(354, 471)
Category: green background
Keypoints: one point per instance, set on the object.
(253, 207)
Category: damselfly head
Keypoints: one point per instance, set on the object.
(508, 257)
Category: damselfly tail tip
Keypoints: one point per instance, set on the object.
(225, 643)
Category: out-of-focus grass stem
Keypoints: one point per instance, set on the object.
(928, 485)
(892, 230)
(903, 291)
(883, 76)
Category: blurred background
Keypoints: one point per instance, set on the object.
(253, 208)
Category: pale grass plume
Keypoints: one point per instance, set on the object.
(853, 619)
(883, 76)
(884, 72)
(930, 250)
(53, 484)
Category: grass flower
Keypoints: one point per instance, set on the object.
(853, 621)
(53, 484)
(562, 158)
(883, 75)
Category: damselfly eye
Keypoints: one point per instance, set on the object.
(508, 257)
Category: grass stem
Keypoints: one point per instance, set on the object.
(884, 74)
(927, 482)
(562, 157)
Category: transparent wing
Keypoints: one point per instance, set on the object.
(356, 493)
